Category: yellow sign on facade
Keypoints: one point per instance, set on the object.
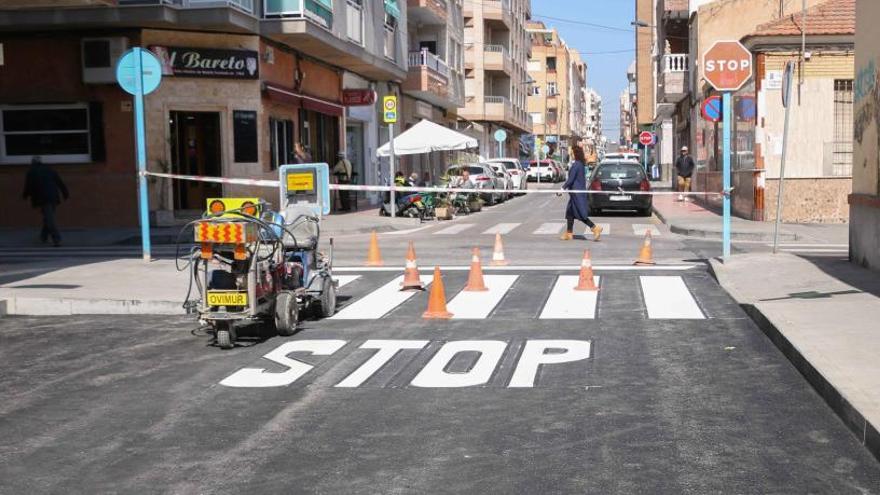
(301, 182)
(389, 109)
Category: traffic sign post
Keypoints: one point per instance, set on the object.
(646, 139)
(727, 66)
(786, 100)
(389, 116)
(139, 72)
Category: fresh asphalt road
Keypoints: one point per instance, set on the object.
(658, 384)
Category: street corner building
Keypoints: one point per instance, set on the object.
(243, 81)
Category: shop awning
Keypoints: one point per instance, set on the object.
(426, 137)
(289, 96)
(392, 9)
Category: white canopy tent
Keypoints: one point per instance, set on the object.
(426, 137)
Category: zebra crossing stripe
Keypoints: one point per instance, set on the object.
(478, 305)
(667, 298)
(565, 303)
(378, 303)
(549, 228)
(454, 229)
(343, 280)
(501, 228)
(640, 228)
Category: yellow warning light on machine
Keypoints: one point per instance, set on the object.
(301, 182)
(234, 207)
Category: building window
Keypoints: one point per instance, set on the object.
(390, 31)
(280, 142)
(354, 15)
(536, 90)
(537, 117)
(841, 150)
(551, 64)
(551, 116)
(551, 89)
(57, 133)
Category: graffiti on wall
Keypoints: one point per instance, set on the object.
(866, 93)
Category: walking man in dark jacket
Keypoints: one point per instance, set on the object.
(45, 188)
(684, 168)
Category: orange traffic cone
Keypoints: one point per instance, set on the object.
(374, 257)
(585, 280)
(411, 280)
(646, 256)
(498, 253)
(475, 281)
(437, 299)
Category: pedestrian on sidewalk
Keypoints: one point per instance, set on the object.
(342, 172)
(45, 189)
(578, 203)
(684, 169)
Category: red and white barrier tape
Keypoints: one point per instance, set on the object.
(353, 187)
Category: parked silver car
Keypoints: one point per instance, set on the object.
(483, 177)
(505, 177)
(516, 171)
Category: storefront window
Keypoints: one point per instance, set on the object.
(280, 142)
(58, 133)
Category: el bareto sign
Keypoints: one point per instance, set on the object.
(727, 65)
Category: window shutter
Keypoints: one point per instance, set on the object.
(96, 131)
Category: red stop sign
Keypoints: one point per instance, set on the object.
(727, 65)
(646, 138)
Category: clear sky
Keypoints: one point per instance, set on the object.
(606, 72)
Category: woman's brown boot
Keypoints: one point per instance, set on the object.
(597, 232)
(566, 236)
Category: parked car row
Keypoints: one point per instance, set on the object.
(546, 170)
(497, 175)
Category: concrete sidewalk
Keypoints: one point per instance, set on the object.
(333, 225)
(691, 219)
(823, 315)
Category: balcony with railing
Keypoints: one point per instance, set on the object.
(497, 58)
(498, 11)
(242, 5)
(42, 4)
(673, 77)
(428, 12)
(430, 79)
(317, 11)
(499, 108)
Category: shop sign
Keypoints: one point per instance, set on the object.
(208, 62)
(358, 97)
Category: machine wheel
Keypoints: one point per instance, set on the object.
(286, 313)
(224, 336)
(328, 297)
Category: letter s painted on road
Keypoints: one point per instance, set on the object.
(259, 377)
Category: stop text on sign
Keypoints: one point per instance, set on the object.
(728, 65)
(434, 374)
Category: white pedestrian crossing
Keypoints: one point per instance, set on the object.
(501, 228)
(640, 228)
(379, 302)
(478, 305)
(550, 228)
(565, 303)
(667, 297)
(454, 229)
(664, 297)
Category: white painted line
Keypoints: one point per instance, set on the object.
(808, 250)
(640, 228)
(404, 232)
(454, 229)
(549, 228)
(379, 302)
(524, 268)
(478, 305)
(344, 280)
(501, 228)
(668, 298)
(565, 303)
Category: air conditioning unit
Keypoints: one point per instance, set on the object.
(99, 57)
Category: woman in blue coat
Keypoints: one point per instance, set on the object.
(578, 203)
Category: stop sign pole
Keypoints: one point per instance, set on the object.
(727, 66)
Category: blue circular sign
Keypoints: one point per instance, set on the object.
(545, 149)
(139, 71)
(500, 135)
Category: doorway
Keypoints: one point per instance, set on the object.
(195, 150)
(354, 145)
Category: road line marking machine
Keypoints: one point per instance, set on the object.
(254, 264)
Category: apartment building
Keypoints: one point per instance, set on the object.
(434, 87)
(243, 81)
(496, 48)
(864, 202)
(556, 99)
(593, 137)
